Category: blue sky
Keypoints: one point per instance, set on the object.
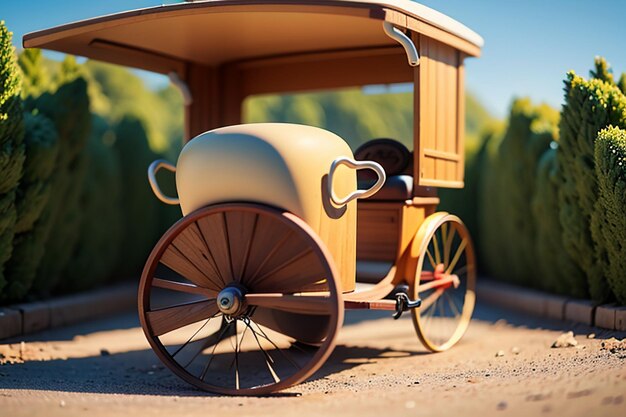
(529, 45)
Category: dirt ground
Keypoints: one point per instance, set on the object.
(504, 366)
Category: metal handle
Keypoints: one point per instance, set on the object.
(351, 163)
(152, 170)
(406, 42)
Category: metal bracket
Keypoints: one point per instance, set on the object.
(404, 303)
(182, 86)
(406, 42)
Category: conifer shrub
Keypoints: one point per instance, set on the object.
(140, 208)
(556, 271)
(11, 145)
(509, 183)
(608, 222)
(98, 248)
(41, 145)
(68, 109)
(590, 105)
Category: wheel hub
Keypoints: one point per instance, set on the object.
(230, 301)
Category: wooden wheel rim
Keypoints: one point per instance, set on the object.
(296, 225)
(419, 248)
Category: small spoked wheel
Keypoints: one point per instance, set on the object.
(240, 299)
(445, 281)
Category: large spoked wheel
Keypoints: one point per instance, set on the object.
(240, 299)
(445, 281)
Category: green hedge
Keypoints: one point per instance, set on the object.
(11, 145)
(97, 250)
(68, 109)
(556, 271)
(41, 141)
(608, 223)
(140, 207)
(590, 105)
(508, 182)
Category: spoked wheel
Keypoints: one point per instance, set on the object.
(445, 281)
(240, 299)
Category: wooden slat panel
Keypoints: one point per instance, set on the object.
(378, 231)
(460, 125)
(437, 116)
(325, 70)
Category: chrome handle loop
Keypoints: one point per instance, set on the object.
(351, 163)
(152, 170)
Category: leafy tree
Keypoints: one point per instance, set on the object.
(35, 79)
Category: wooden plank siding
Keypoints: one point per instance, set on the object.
(439, 120)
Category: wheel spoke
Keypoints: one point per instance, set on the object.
(304, 304)
(457, 255)
(283, 265)
(436, 247)
(267, 356)
(209, 252)
(275, 248)
(462, 270)
(453, 305)
(431, 259)
(191, 338)
(183, 287)
(246, 259)
(448, 245)
(168, 319)
(179, 262)
(283, 352)
(431, 299)
(219, 339)
(236, 357)
(210, 340)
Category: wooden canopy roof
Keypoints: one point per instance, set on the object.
(211, 33)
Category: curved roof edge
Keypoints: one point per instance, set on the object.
(433, 17)
(409, 7)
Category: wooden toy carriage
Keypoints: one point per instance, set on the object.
(246, 293)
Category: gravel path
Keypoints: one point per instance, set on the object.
(504, 366)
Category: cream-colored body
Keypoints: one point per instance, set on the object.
(282, 165)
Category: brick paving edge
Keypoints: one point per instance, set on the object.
(538, 303)
(26, 318)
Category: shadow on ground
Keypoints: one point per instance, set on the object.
(140, 371)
